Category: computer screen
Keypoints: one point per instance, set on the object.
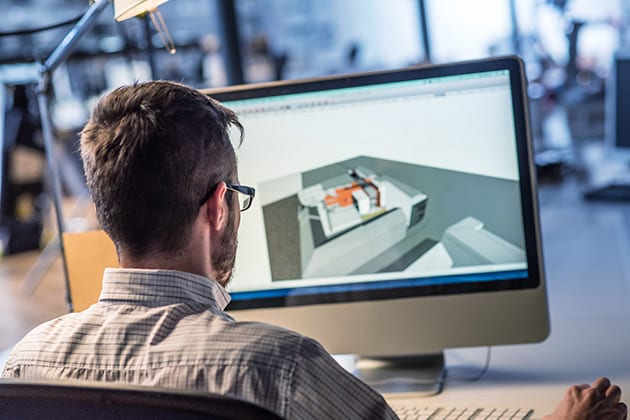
(395, 211)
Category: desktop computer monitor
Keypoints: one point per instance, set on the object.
(395, 211)
(610, 174)
(617, 126)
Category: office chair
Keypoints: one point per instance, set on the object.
(74, 400)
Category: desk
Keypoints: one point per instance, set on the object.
(587, 256)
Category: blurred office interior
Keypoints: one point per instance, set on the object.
(569, 47)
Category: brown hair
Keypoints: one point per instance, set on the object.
(150, 153)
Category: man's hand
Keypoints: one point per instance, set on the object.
(598, 401)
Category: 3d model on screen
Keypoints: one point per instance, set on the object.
(350, 223)
(367, 215)
(361, 196)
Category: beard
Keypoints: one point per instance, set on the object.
(224, 257)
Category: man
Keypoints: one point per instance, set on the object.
(162, 172)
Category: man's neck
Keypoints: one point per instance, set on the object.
(193, 258)
(180, 261)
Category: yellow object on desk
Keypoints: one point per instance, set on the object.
(87, 256)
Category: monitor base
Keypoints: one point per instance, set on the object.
(614, 191)
(421, 374)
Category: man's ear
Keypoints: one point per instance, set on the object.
(217, 208)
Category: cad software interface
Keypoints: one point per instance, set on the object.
(389, 185)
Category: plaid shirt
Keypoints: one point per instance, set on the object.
(168, 329)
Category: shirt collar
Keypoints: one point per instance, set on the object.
(161, 287)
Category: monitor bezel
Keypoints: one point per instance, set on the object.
(529, 209)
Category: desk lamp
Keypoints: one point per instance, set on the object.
(123, 9)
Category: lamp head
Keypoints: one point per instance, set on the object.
(126, 9)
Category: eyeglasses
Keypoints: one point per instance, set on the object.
(245, 195)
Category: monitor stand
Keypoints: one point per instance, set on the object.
(421, 374)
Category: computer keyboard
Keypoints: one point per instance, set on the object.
(409, 412)
(615, 189)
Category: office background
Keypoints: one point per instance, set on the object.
(569, 49)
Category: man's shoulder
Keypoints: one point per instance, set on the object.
(28, 347)
(273, 339)
(261, 332)
(50, 326)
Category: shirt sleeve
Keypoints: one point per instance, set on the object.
(322, 389)
(8, 371)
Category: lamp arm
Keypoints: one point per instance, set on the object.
(69, 42)
(45, 70)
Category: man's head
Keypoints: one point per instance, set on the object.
(151, 152)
